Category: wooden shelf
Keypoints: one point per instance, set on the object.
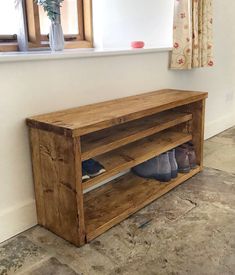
(115, 201)
(108, 139)
(137, 152)
(119, 133)
(86, 119)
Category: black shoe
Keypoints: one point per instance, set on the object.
(93, 168)
(85, 176)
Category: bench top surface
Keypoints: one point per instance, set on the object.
(89, 118)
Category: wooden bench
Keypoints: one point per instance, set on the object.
(120, 134)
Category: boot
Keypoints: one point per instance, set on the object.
(173, 163)
(163, 168)
(146, 169)
(191, 154)
(182, 158)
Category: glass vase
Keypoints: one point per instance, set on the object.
(56, 37)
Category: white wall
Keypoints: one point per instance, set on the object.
(118, 22)
(29, 88)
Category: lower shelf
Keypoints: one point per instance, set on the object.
(110, 204)
(132, 154)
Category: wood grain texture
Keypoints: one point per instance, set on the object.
(197, 109)
(86, 119)
(78, 186)
(137, 152)
(111, 138)
(198, 126)
(56, 184)
(137, 128)
(112, 203)
(36, 161)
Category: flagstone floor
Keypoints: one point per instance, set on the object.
(188, 231)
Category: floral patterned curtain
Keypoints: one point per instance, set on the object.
(192, 34)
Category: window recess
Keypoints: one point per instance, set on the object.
(25, 26)
(8, 26)
(75, 19)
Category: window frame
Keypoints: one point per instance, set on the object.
(8, 42)
(35, 40)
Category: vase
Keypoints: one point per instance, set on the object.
(56, 36)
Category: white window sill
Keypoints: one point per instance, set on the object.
(75, 53)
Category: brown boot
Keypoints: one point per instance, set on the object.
(191, 154)
(182, 158)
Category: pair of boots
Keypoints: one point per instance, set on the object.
(162, 168)
(186, 157)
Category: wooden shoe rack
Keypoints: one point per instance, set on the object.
(119, 134)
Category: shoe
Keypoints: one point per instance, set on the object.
(85, 176)
(173, 163)
(92, 167)
(191, 154)
(146, 169)
(182, 159)
(163, 168)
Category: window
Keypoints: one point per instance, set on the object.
(69, 17)
(8, 24)
(118, 22)
(7, 12)
(75, 19)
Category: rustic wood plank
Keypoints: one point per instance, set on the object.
(57, 156)
(137, 152)
(56, 176)
(94, 117)
(197, 109)
(79, 190)
(112, 203)
(35, 156)
(111, 138)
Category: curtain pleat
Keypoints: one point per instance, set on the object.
(192, 35)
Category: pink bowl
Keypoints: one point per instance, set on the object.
(137, 44)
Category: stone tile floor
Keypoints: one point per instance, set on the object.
(188, 231)
(220, 151)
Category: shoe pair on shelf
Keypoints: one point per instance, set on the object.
(163, 167)
(186, 157)
(91, 168)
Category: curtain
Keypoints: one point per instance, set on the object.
(192, 34)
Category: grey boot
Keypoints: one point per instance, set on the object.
(191, 154)
(146, 169)
(182, 159)
(174, 166)
(163, 168)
